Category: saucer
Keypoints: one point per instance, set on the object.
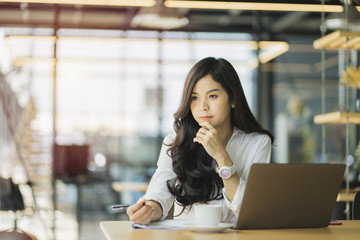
(219, 228)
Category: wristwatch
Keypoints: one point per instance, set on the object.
(226, 172)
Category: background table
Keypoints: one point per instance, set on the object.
(130, 186)
(122, 230)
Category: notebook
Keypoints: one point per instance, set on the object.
(290, 195)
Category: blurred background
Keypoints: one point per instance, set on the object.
(88, 90)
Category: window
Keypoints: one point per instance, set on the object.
(116, 84)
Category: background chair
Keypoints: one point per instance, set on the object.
(16, 235)
(12, 200)
(70, 162)
(71, 167)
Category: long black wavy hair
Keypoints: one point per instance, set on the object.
(197, 181)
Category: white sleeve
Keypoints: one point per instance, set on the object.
(158, 190)
(261, 155)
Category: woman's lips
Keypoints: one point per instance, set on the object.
(206, 118)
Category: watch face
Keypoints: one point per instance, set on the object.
(225, 173)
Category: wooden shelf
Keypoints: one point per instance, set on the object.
(339, 40)
(337, 118)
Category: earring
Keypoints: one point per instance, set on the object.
(233, 106)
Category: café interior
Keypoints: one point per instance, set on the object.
(88, 90)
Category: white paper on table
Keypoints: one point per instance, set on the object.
(166, 224)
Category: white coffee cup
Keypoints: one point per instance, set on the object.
(207, 215)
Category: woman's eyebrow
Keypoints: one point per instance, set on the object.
(212, 90)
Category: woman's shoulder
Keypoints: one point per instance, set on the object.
(169, 138)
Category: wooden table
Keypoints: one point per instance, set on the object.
(122, 230)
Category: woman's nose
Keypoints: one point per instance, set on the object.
(204, 106)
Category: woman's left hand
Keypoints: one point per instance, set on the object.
(208, 137)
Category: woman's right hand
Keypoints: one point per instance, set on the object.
(143, 212)
(140, 212)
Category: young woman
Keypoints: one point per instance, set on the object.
(207, 160)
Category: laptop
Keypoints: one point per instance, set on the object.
(290, 196)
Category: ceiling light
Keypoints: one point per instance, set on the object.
(159, 17)
(271, 49)
(127, 3)
(257, 6)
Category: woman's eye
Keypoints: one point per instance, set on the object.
(213, 96)
(193, 98)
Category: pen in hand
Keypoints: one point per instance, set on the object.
(120, 206)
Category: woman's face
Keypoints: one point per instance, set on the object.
(210, 102)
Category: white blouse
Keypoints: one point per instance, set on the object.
(243, 149)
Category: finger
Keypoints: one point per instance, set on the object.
(132, 209)
(145, 218)
(201, 136)
(198, 140)
(202, 131)
(135, 207)
(141, 200)
(142, 216)
(206, 125)
(135, 214)
(139, 217)
(205, 134)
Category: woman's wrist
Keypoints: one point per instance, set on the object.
(224, 159)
